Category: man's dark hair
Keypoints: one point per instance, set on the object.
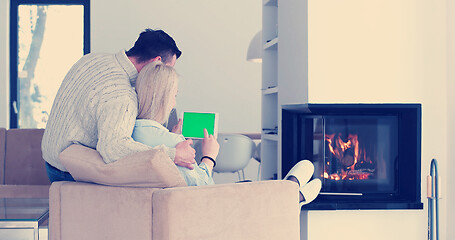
(153, 43)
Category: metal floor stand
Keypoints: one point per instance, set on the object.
(433, 199)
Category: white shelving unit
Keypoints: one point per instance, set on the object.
(269, 141)
(272, 90)
(284, 73)
(271, 44)
(271, 137)
(270, 2)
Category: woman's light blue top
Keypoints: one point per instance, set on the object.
(152, 133)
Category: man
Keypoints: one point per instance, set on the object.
(96, 105)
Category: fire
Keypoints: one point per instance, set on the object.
(349, 154)
(326, 175)
(339, 150)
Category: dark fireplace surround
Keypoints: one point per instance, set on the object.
(368, 156)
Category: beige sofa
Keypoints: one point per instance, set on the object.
(223, 212)
(22, 171)
(148, 199)
(142, 196)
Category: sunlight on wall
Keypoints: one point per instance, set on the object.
(450, 196)
(381, 52)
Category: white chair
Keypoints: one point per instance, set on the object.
(236, 150)
(257, 157)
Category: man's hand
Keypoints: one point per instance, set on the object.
(185, 154)
(178, 127)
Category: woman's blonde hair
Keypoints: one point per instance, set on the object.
(154, 85)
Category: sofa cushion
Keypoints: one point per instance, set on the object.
(24, 164)
(151, 168)
(2, 155)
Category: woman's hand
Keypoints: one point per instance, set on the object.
(178, 127)
(210, 146)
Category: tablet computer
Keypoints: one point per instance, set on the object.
(195, 122)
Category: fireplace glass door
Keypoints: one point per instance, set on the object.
(355, 154)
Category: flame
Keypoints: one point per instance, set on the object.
(340, 146)
(349, 159)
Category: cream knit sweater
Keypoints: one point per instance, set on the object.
(95, 106)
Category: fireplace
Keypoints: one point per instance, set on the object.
(366, 155)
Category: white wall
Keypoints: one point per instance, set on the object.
(450, 196)
(4, 63)
(382, 52)
(213, 36)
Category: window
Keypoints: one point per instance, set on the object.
(47, 38)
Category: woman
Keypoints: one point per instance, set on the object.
(157, 87)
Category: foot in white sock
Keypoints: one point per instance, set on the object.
(310, 191)
(302, 171)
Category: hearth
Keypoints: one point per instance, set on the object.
(366, 155)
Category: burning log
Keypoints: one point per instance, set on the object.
(348, 158)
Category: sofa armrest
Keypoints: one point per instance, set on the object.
(90, 211)
(256, 210)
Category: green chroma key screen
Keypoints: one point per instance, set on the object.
(195, 122)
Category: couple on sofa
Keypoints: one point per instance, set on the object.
(118, 103)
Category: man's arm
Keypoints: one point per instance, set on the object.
(185, 154)
(115, 122)
(152, 136)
